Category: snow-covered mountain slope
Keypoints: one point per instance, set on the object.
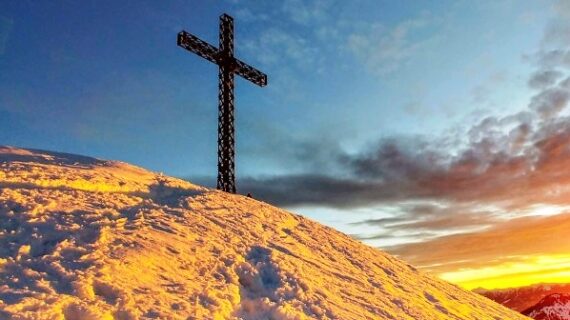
(82, 238)
(552, 307)
(522, 298)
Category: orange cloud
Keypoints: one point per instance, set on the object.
(514, 252)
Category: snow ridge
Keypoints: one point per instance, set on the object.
(82, 238)
(552, 307)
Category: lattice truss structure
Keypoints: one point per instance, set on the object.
(229, 66)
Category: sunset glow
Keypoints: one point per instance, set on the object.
(529, 270)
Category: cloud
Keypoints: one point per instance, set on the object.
(511, 161)
(552, 58)
(508, 163)
(311, 189)
(294, 35)
(551, 101)
(306, 12)
(275, 45)
(544, 78)
(505, 162)
(246, 15)
(435, 217)
(558, 30)
(506, 241)
(553, 55)
(385, 49)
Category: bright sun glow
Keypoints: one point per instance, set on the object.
(530, 270)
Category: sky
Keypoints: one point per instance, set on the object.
(435, 130)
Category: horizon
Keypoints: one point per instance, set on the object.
(437, 132)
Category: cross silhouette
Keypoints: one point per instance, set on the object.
(228, 67)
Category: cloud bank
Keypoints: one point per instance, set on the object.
(496, 192)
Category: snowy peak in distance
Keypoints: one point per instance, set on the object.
(522, 298)
(83, 238)
(552, 307)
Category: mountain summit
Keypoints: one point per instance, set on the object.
(552, 307)
(82, 238)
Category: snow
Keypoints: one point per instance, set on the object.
(552, 307)
(82, 238)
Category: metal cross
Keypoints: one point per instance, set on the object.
(228, 66)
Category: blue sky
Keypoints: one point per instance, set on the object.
(107, 78)
(363, 98)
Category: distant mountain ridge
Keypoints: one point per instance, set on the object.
(552, 307)
(523, 298)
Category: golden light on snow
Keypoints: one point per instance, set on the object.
(83, 238)
(529, 270)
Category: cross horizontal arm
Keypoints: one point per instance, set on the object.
(198, 46)
(250, 73)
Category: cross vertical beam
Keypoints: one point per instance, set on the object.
(226, 129)
(229, 66)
